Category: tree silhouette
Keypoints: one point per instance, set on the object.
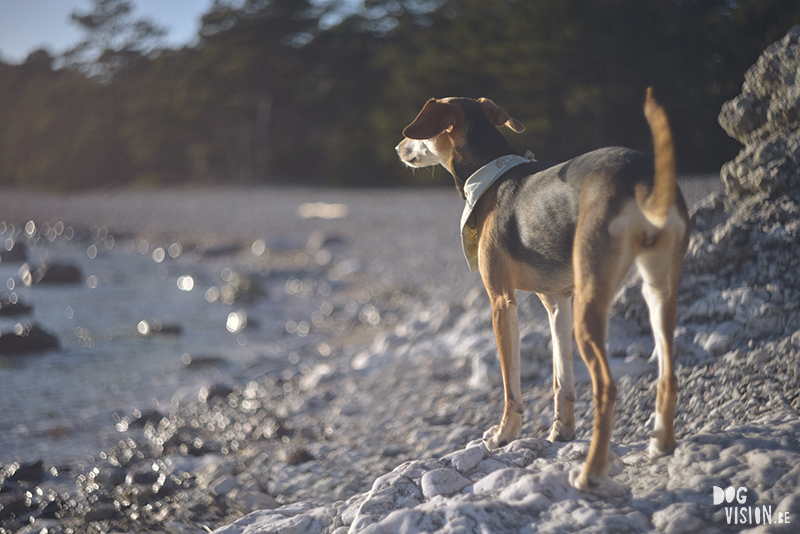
(113, 38)
(283, 91)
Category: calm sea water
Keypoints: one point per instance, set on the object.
(60, 405)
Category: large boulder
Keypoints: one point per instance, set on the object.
(50, 273)
(741, 278)
(13, 251)
(27, 338)
(749, 242)
(765, 118)
(10, 306)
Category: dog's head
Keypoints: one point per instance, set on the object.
(455, 129)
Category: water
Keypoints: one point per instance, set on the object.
(59, 405)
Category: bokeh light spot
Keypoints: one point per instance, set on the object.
(175, 250)
(186, 283)
(236, 321)
(159, 255)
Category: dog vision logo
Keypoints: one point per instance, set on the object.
(737, 512)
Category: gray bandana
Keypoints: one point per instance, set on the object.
(474, 187)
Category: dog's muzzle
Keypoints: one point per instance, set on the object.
(415, 153)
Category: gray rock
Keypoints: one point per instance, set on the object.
(765, 117)
(247, 501)
(498, 480)
(301, 518)
(742, 116)
(444, 482)
(717, 343)
(678, 518)
(468, 459)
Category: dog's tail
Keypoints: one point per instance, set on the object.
(656, 205)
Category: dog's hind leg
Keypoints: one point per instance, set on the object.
(559, 311)
(591, 324)
(660, 286)
(602, 256)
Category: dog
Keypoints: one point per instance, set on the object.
(569, 233)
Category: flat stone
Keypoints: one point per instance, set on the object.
(468, 459)
(499, 480)
(717, 343)
(442, 482)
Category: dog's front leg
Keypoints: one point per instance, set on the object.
(506, 331)
(559, 311)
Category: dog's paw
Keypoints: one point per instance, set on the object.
(559, 432)
(492, 438)
(496, 437)
(582, 481)
(504, 433)
(660, 445)
(605, 488)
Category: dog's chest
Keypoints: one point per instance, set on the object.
(474, 188)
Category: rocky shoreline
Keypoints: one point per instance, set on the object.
(326, 444)
(375, 428)
(334, 442)
(737, 416)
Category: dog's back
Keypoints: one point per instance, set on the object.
(538, 212)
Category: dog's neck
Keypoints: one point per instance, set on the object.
(462, 168)
(483, 143)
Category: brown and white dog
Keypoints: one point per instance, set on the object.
(569, 233)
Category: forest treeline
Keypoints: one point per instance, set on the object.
(295, 91)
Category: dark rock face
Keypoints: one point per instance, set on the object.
(765, 118)
(27, 338)
(10, 306)
(50, 273)
(14, 251)
(241, 288)
(741, 280)
(31, 472)
(58, 274)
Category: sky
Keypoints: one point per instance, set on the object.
(27, 25)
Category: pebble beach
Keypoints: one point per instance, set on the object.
(359, 383)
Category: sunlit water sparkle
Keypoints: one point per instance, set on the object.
(127, 331)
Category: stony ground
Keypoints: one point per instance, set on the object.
(379, 424)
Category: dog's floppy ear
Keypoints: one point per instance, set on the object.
(434, 118)
(500, 117)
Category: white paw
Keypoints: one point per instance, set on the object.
(560, 433)
(492, 438)
(583, 482)
(501, 435)
(659, 446)
(575, 479)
